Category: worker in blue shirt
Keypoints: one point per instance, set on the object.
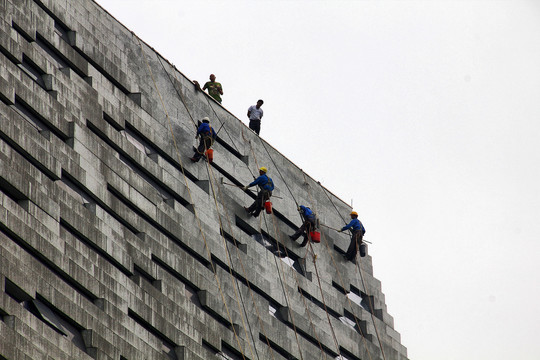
(266, 185)
(309, 224)
(207, 135)
(358, 232)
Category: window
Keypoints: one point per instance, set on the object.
(33, 71)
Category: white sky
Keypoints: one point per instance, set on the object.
(426, 113)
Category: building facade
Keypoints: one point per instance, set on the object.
(114, 245)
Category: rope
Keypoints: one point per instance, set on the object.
(296, 279)
(314, 257)
(217, 117)
(342, 283)
(362, 278)
(208, 168)
(276, 167)
(177, 92)
(231, 268)
(286, 294)
(370, 304)
(242, 265)
(191, 198)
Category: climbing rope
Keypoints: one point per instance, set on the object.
(370, 302)
(295, 276)
(287, 295)
(231, 267)
(314, 257)
(362, 278)
(342, 283)
(194, 208)
(241, 262)
(208, 168)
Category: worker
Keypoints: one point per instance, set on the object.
(309, 224)
(358, 232)
(266, 185)
(207, 135)
(214, 88)
(255, 114)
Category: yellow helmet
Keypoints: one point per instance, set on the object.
(263, 169)
(354, 213)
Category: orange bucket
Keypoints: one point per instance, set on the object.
(268, 207)
(209, 155)
(315, 236)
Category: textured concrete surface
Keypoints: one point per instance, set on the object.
(113, 245)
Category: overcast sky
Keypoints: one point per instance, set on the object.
(424, 113)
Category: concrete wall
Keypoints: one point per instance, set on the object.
(113, 245)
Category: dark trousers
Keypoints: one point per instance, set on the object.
(255, 125)
(258, 204)
(306, 228)
(204, 144)
(356, 240)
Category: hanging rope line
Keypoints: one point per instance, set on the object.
(314, 257)
(217, 117)
(241, 264)
(180, 95)
(191, 199)
(237, 288)
(362, 279)
(277, 168)
(370, 302)
(342, 283)
(285, 292)
(294, 273)
(231, 267)
(286, 295)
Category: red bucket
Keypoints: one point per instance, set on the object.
(268, 207)
(209, 155)
(315, 236)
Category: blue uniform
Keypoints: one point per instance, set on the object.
(208, 136)
(356, 225)
(308, 213)
(267, 185)
(264, 182)
(309, 225)
(356, 239)
(206, 130)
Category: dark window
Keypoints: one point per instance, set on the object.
(15, 292)
(33, 71)
(11, 191)
(275, 347)
(23, 33)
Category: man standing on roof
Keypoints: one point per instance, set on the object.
(266, 185)
(358, 232)
(255, 114)
(214, 88)
(309, 224)
(208, 136)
